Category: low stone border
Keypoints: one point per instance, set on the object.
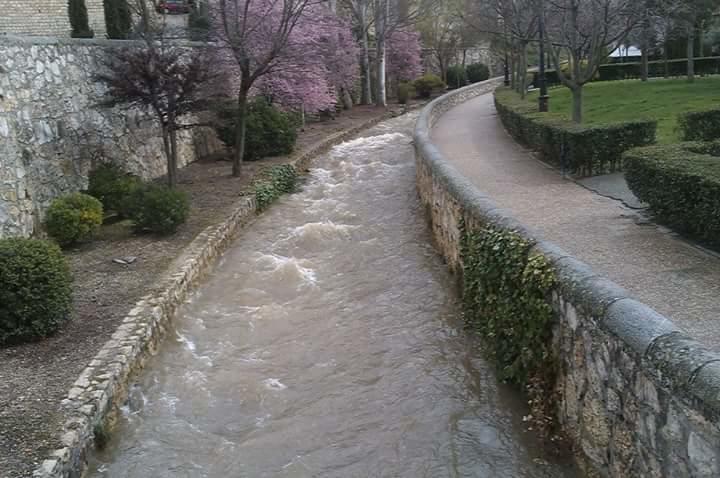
(636, 395)
(102, 387)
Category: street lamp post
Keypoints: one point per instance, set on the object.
(543, 99)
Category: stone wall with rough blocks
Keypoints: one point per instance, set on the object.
(52, 130)
(47, 17)
(638, 397)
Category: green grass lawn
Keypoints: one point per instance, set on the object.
(663, 100)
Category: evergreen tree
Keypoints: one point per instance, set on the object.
(79, 19)
(118, 19)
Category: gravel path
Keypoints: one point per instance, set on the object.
(666, 272)
(34, 378)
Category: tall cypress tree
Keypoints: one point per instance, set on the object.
(118, 19)
(79, 19)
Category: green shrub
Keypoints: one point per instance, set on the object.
(79, 19)
(35, 293)
(456, 76)
(158, 209)
(199, 22)
(273, 183)
(700, 125)
(73, 218)
(118, 19)
(112, 186)
(657, 68)
(405, 92)
(578, 149)
(551, 78)
(427, 84)
(270, 132)
(477, 72)
(681, 183)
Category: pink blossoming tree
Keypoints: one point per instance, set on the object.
(287, 49)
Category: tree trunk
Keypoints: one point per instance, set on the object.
(512, 70)
(171, 179)
(380, 32)
(666, 60)
(577, 104)
(691, 54)
(523, 71)
(240, 128)
(173, 166)
(347, 101)
(366, 87)
(645, 49)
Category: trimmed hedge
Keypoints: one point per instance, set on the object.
(656, 68)
(681, 183)
(35, 292)
(700, 125)
(581, 150)
(633, 70)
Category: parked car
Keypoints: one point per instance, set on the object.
(173, 6)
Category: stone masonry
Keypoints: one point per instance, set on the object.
(47, 17)
(52, 130)
(636, 396)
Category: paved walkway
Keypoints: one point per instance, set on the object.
(672, 276)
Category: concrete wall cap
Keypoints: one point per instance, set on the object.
(679, 358)
(636, 324)
(706, 385)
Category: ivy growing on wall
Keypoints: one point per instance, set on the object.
(506, 300)
(273, 183)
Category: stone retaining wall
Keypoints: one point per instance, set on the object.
(103, 386)
(637, 396)
(52, 129)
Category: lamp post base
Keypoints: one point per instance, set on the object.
(544, 103)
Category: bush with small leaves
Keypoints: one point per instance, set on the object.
(405, 92)
(477, 72)
(273, 183)
(112, 186)
(73, 218)
(158, 209)
(35, 292)
(270, 131)
(427, 84)
(456, 76)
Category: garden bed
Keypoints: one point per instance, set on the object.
(35, 377)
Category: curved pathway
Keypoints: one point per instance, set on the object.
(672, 276)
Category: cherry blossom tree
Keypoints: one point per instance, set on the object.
(404, 55)
(297, 52)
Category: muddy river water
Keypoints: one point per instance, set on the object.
(326, 343)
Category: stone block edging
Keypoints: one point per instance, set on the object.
(102, 386)
(638, 397)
